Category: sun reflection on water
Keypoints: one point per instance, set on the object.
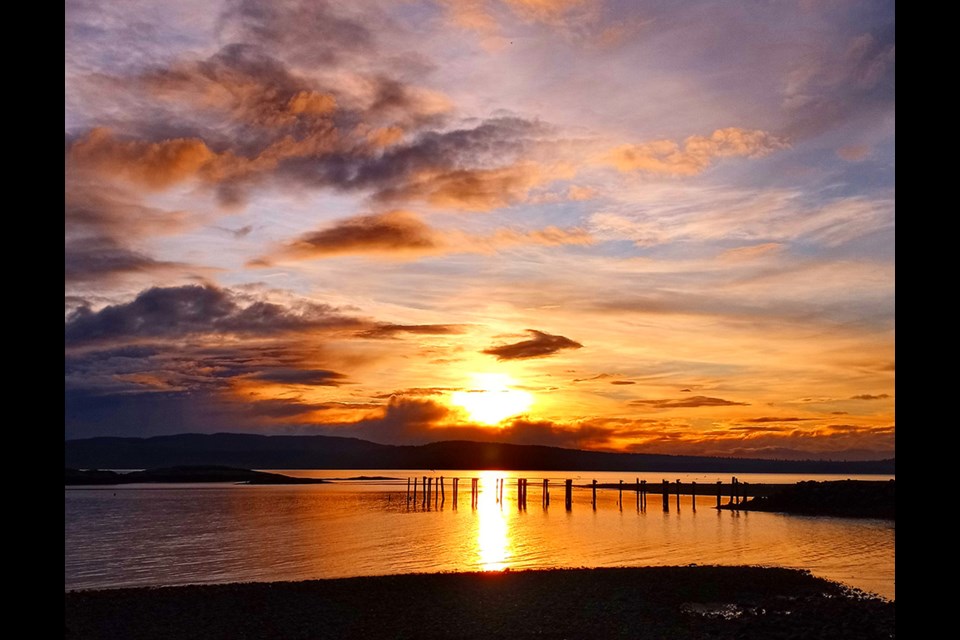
(494, 546)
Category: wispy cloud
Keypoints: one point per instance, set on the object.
(318, 377)
(695, 154)
(691, 402)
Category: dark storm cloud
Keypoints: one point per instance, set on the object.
(315, 377)
(540, 345)
(868, 396)
(622, 382)
(153, 366)
(687, 403)
(195, 309)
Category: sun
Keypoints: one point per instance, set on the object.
(491, 398)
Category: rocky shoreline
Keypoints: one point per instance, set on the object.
(838, 498)
(648, 602)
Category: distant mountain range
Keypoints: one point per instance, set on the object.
(329, 452)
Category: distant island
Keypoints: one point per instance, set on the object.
(197, 473)
(248, 451)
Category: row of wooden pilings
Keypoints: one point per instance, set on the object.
(434, 492)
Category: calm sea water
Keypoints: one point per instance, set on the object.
(150, 535)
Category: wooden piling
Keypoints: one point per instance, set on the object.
(666, 495)
(594, 495)
(443, 492)
(719, 492)
(568, 495)
(678, 494)
(473, 493)
(620, 499)
(414, 492)
(638, 495)
(456, 481)
(643, 495)
(546, 493)
(500, 498)
(408, 492)
(693, 494)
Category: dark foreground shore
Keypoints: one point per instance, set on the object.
(649, 602)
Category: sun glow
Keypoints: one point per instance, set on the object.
(491, 399)
(493, 536)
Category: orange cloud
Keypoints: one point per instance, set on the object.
(312, 102)
(546, 10)
(402, 234)
(153, 164)
(385, 136)
(477, 189)
(394, 231)
(696, 154)
(494, 20)
(854, 153)
(742, 254)
(549, 236)
(580, 193)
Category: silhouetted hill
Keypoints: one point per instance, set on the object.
(328, 452)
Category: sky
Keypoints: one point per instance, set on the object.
(654, 227)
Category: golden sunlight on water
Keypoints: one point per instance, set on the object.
(179, 534)
(493, 535)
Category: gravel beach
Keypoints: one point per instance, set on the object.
(648, 602)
